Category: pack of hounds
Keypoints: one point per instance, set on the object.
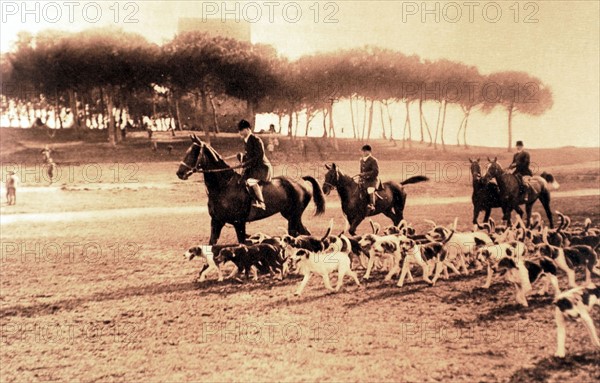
(524, 256)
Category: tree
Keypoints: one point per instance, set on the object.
(517, 92)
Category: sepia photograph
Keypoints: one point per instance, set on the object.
(300, 191)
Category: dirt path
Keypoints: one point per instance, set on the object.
(127, 213)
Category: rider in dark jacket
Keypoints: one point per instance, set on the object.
(520, 163)
(256, 166)
(369, 171)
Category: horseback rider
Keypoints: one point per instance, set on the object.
(256, 166)
(520, 163)
(369, 171)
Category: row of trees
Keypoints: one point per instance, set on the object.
(111, 70)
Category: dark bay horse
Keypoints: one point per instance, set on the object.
(355, 200)
(229, 202)
(511, 198)
(486, 195)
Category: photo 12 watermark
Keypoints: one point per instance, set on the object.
(326, 12)
(470, 11)
(67, 252)
(70, 12)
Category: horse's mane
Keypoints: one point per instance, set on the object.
(215, 155)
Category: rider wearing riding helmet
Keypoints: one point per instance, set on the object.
(256, 166)
(520, 163)
(369, 171)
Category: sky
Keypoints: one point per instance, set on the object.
(556, 41)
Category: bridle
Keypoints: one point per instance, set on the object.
(337, 180)
(196, 168)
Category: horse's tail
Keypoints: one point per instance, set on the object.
(554, 185)
(318, 196)
(414, 180)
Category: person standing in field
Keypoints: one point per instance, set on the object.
(12, 182)
(46, 153)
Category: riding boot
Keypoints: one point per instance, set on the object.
(259, 201)
(371, 205)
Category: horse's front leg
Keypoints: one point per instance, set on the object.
(506, 215)
(475, 215)
(354, 224)
(215, 231)
(240, 231)
(528, 208)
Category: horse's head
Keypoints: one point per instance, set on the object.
(475, 169)
(190, 163)
(332, 178)
(493, 169)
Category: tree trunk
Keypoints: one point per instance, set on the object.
(280, 115)
(250, 113)
(370, 120)
(424, 121)
(465, 130)
(352, 116)
(325, 112)
(204, 111)
(364, 127)
(443, 124)
(383, 135)
(437, 125)
(214, 112)
(178, 112)
(387, 108)
(290, 123)
(407, 126)
(111, 122)
(460, 128)
(57, 121)
(117, 123)
(510, 114)
(332, 127)
(74, 111)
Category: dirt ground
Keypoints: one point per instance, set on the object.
(106, 295)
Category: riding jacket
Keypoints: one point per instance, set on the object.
(254, 161)
(521, 164)
(369, 171)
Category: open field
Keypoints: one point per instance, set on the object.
(93, 285)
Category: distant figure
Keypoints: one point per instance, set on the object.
(276, 143)
(302, 146)
(154, 146)
(51, 170)
(270, 146)
(271, 128)
(170, 149)
(46, 153)
(12, 182)
(520, 163)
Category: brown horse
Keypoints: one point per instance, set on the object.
(486, 195)
(510, 196)
(355, 201)
(230, 202)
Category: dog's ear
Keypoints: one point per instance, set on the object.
(479, 242)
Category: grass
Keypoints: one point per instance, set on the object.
(111, 298)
